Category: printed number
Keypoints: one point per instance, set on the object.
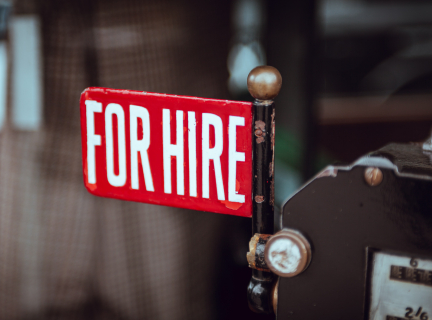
(418, 315)
(409, 312)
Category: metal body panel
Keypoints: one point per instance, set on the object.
(345, 220)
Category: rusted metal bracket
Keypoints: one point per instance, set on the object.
(255, 256)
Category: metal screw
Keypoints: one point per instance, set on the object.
(413, 263)
(258, 133)
(373, 176)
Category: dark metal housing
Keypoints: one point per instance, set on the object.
(346, 220)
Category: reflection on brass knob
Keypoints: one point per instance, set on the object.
(264, 82)
(275, 294)
(287, 253)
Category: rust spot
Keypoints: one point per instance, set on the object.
(260, 132)
(264, 237)
(255, 256)
(259, 140)
(259, 124)
(252, 249)
(272, 135)
(259, 199)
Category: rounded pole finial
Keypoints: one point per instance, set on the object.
(264, 82)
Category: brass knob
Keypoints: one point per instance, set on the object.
(287, 253)
(264, 83)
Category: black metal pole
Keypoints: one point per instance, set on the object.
(264, 84)
(263, 167)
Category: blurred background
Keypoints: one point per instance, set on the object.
(357, 74)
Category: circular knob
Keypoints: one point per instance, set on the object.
(287, 253)
(264, 82)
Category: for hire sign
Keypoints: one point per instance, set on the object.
(169, 150)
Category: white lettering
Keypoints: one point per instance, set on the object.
(175, 150)
(213, 154)
(93, 139)
(192, 154)
(120, 179)
(140, 146)
(233, 157)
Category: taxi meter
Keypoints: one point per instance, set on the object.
(354, 243)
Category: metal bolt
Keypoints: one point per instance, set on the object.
(373, 176)
(258, 133)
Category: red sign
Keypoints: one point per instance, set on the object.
(169, 150)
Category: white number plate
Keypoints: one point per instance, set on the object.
(401, 288)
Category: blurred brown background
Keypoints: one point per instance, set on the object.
(357, 74)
